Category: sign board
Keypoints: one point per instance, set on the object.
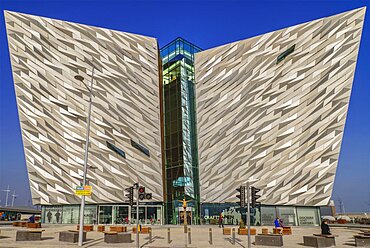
(83, 190)
(188, 209)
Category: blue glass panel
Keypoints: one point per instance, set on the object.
(116, 149)
(282, 56)
(141, 148)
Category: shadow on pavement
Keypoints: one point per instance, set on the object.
(47, 238)
(350, 244)
(153, 239)
(92, 242)
(237, 241)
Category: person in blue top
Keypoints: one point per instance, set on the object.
(277, 222)
(31, 219)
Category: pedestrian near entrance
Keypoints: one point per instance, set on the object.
(221, 221)
(57, 216)
(49, 215)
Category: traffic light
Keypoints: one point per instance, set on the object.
(141, 193)
(148, 196)
(254, 195)
(130, 195)
(241, 195)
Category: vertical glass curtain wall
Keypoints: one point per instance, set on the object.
(181, 161)
(102, 214)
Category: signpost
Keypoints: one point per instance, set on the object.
(83, 190)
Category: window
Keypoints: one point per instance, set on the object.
(287, 215)
(140, 148)
(268, 215)
(105, 214)
(116, 149)
(308, 216)
(285, 54)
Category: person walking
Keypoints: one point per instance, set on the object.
(49, 215)
(221, 221)
(57, 216)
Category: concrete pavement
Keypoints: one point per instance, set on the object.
(200, 237)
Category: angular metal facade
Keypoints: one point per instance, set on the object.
(273, 108)
(46, 54)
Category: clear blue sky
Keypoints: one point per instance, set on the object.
(206, 24)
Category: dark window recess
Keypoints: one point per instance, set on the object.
(140, 148)
(116, 149)
(282, 56)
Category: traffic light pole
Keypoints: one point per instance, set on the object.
(137, 218)
(248, 214)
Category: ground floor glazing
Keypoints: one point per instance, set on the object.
(102, 214)
(153, 214)
(264, 215)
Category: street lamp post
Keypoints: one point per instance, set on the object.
(82, 209)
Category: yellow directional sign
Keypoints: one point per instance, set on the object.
(84, 190)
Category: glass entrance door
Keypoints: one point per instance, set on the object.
(181, 215)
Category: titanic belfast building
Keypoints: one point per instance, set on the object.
(182, 121)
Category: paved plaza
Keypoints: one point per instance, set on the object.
(199, 237)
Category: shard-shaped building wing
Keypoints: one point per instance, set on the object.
(125, 135)
(271, 109)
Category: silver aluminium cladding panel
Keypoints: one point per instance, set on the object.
(125, 140)
(273, 108)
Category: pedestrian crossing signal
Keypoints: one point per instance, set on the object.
(241, 196)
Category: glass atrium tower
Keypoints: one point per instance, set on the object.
(181, 175)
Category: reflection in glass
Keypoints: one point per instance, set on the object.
(121, 215)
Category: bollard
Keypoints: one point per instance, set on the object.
(233, 237)
(186, 238)
(210, 236)
(168, 235)
(189, 236)
(150, 235)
